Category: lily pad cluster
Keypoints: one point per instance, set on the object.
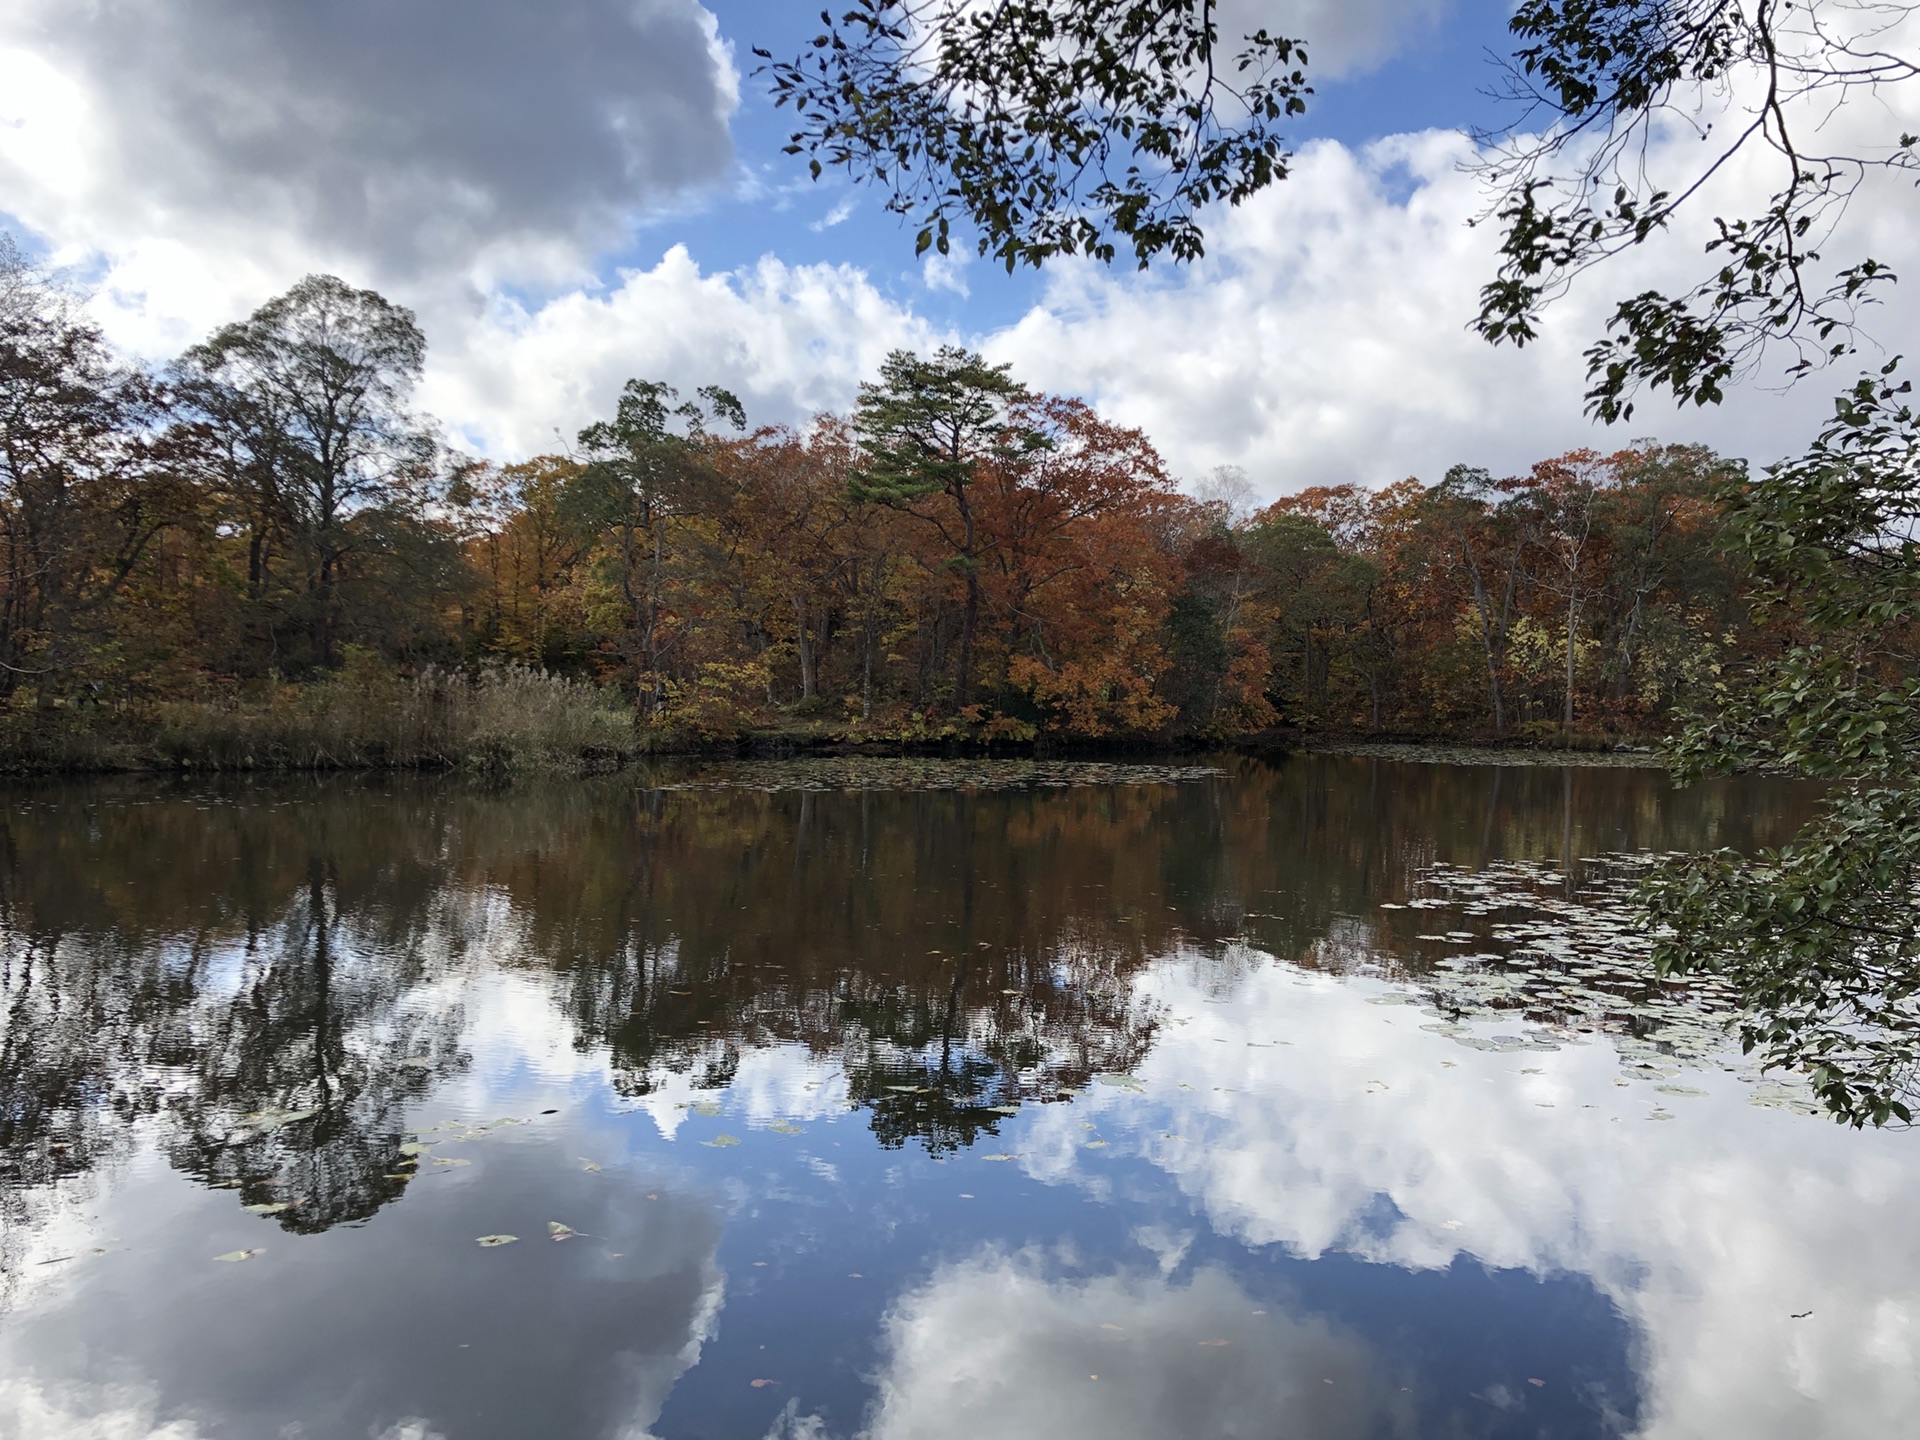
(1565, 958)
(873, 772)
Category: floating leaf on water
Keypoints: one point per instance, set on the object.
(996, 1157)
(419, 1061)
(234, 1257)
(1120, 1081)
(1107, 1326)
(416, 1147)
(908, 1089)
(708, 1108)
(762, 1384)
(719, 1142)
(1004, 1109)
(559, 1231)
(783, 1128)
(274, 1209)
(1216, 1342)
(489, 1241)
(1095, 1144)
(439, 1160)
(1679, 1090)
(589, 1166)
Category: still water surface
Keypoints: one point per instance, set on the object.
(910, 1101)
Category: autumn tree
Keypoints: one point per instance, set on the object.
(86, 483)
(305, 404)
(644, 468)
(1077, 573)
(925, 428)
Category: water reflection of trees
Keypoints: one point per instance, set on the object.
(238, 980)
(267, 973)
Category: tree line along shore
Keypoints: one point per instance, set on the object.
(261, 555)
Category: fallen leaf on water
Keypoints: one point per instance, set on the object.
(1532, 1381)
(416, 1147)
(1005, 1109)
(720, 1142)
(1121, 1328)
(707, 1108)
(438, 1161)
(1095, 1144)
(591, 1168)
(996, 1157)
(273, 1209)
(491, 1240)
(762, 1384)
(235, 1256)
(559, 1231)
(783, 1128)
(1216, 1342)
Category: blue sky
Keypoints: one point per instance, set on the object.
(1441, 79)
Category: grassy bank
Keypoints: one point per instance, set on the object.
(508, 718)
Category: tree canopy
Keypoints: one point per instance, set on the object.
(1052, 127)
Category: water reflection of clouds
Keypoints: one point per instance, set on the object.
(403, 1327)
(996, 1345)
(1709, 1230)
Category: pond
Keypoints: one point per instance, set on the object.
(899, 1099)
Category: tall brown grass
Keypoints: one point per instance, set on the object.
(364, 716)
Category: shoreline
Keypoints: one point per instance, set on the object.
(38, 749)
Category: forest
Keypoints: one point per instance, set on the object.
(263, 554)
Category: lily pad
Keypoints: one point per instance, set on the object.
(720, 1142)
(490, 1241)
